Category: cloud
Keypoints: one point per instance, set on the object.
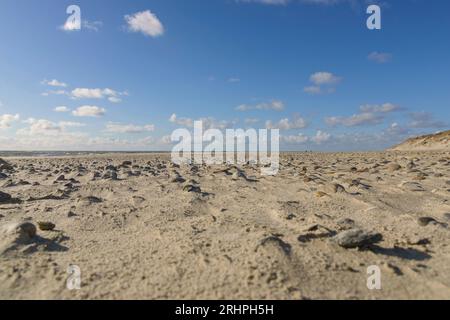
(424, 120)
(46, 127)
(295, 139)
(54, 92)
(93, 26)
(208, 123)
(89, 111)
(61, 109)
(313, 90)
(71, 25)
(275, 105)
(384, 108)
(321, 137)
(86, 93)
(320, 80)
(287, 124)
(370, 114)
(251, 120)
(380, 57)
(185, 122)
(234, 80)
(7, 119)
(324, 78)
(54, 83)
(355, 120)
(268, 2)
(145, 22)
(128, 128)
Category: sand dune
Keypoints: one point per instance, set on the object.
(433, 142)
(140, 227)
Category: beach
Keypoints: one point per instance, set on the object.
(137, 226)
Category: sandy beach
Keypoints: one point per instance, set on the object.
(140, 227)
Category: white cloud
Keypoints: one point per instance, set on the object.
(186, 122)
(71, 25)
(380, 57)
(145, 22)
(93, 26)
(46, 127)
(321, 137)
(70, 124)
(321, 79)
(275, 105)
(362, 119)
(268, 2)
(234, 80)
(89, 111)
(54, 83)
(384, 108)
(61, 109)
(324, 78)
(86, 93)
(313, 90)
(7, 119)
(287, 124)
(295, 139)
(424, 120)
(370, 114)
(208, 123)
(128, 128)
(54, 92)
(251, 120)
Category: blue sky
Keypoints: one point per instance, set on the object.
(139, 69)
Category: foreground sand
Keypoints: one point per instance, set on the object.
(161, 232)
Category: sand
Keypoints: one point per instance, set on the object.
(139, 227)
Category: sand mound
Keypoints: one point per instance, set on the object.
(438, 141)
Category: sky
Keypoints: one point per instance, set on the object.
(138, 70)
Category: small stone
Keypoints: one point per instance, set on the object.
(336, 188)
(424, 221)
(24, 231)
(5, 197)
(46, 226)
(412, 186)
(71, 214)
(357, 238)
(179, 179)
(394, 167)
(320, 194)
(5, 165)
(192, 188)
(345, 224)
(110, 175)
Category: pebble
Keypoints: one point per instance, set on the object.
(411, 186)
(345, 224)
(335, 188)
(394, 167)
(424, 221)
(46, 226)
(24, 231)
(192, 188)
(357, 238)
(5, 197)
